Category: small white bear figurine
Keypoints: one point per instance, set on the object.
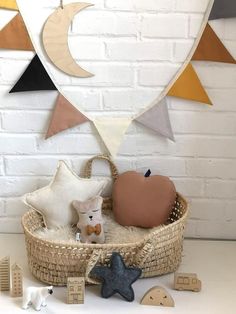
(36, 297)
(90, 220)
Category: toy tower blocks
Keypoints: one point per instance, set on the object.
(75, 290)
(5, 274)
(16, 278)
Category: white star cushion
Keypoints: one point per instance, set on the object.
(54, 201)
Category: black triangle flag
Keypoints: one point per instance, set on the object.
(34, 78)
(223, 9)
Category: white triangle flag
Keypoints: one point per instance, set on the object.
(112, 131)
(157, 119)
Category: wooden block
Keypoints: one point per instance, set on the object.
(5, 274)
(17, 281)
(75, 290)
(187, 281)
(157, 296)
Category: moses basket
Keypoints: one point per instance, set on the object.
(158, 253)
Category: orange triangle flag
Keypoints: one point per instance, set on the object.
(65, 116)
(8, 4)
(211, 48)
(15, 35)
(188, 86)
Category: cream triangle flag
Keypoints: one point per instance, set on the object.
(112, 131)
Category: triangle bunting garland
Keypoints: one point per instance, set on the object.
(112, 131)
(188, 86)
(15, 35)
(34, 78)
(223, 9)
(65, 116)
(211, 48)
(157, 119)
(8, 4)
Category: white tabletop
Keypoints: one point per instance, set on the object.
(213, 261)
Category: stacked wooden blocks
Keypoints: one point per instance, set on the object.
(16, 280)
(5, 274)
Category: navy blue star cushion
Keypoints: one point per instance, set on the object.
(118, 278)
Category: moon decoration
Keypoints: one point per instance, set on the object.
(55, 39)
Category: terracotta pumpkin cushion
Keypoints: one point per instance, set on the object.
(142, 202)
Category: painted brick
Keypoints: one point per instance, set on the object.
(2, 208)
(17, 186)
(194, 25)
(31, 166)
(134, 5)
(189, 187)
(221, 189)
(198, 123)
(17, 144)
(15, 207)
(212, 168)
(162, 166)
(118, 75)
(157, 75)
(211, 75)
(70, 144)
(140, 51)
(191, 6)
(25, 121)
(129, 100)
(26, 101)
(181, 50)
(91, 22)
(165, 26)
(11, 225)
(212, 210)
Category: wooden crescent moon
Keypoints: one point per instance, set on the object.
(55, 39)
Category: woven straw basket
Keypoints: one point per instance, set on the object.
(158, 253)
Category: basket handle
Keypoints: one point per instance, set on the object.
(143, 254)
(88, 167)
(91, 264)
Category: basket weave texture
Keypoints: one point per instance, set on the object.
(158, 253)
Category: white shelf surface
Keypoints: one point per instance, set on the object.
(213, 261)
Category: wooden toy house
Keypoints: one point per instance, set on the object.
(16, 278)
(5, 274)
(75, 290)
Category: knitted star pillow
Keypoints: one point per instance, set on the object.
(54, 201)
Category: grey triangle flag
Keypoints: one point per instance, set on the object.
(157, 119)
(223, 9)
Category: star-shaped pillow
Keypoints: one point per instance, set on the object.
(54, 201)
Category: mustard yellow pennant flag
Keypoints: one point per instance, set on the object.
(8, 4)
(188, 86)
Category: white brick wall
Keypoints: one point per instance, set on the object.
(134, 47)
